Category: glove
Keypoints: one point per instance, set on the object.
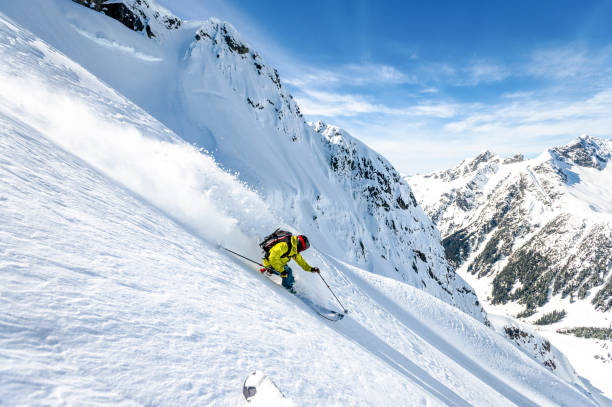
(263, 270)
(283, 274)
(315, 270)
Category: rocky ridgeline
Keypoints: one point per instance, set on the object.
(264, 92)
(404, 237)
(585, 152)
(531, 344)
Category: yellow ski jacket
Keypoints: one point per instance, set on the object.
(281, 254)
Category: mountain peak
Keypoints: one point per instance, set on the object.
(584, 151)
(217, 30)
(516, 158)
(318, 126)
(481, 158)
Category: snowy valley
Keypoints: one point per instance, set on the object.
(130, 150)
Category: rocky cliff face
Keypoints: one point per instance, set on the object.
(397, 232)
(540, 229)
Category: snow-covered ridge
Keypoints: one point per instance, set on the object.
(584, 151)
(214, 90)
(262, 88)
(533, 344)
(381, 192)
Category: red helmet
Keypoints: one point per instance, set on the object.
(302, 243)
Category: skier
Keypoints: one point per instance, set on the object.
(283, 247)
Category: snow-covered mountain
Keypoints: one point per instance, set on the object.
(116, 290)
(533, 236)
(208, 86)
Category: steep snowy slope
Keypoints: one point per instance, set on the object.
(114, 292)
(204, 83)
(538, 235)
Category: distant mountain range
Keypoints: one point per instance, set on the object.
(542, 227)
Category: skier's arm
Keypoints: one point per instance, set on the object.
(300, 260)
(275, 256)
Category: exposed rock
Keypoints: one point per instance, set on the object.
(532, 344)
(585, 151)
(137, 15)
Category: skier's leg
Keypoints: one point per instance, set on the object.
(289, 280)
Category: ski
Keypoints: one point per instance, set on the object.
(323, 312)
(328, 314)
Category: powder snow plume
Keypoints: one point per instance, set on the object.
(135, 150)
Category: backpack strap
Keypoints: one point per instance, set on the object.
(286, 239)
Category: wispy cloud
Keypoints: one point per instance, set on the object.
(528, 125)
(563, 92)
(330, 104)
(350, 74)
(485, 72)
(572, 67)
(468, 74)
(545, 116)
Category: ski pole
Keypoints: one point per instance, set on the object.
(259, 264)
(345, 310)
(240, 255)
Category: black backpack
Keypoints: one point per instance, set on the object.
(273, 238)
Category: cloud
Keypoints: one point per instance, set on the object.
(430, 90)
(545, 116)
(348, 75)
(563, 92)
(318, 103)
(428, 74)
(330, 104)
(572, 65)
(484, 72)
(560, 63)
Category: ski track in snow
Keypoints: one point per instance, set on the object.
(114, 45)
(110, 299)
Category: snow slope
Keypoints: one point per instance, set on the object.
(211, 89)
(115, 293)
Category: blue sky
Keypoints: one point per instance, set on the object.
(428, 84)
